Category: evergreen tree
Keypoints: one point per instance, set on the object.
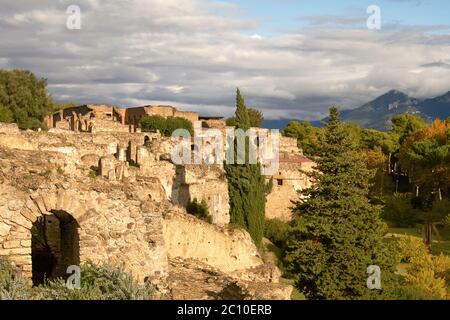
(342, 232)
(246, 187)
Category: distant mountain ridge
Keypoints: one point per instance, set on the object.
(377, 114)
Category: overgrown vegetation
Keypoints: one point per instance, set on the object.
(98, 282)
(166, 126)
(199, 209)
(12, 285)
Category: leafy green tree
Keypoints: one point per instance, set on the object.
(403, 125)
(26, 97)
(382, 182)
(308, 137)
(256, 119)
(425, 157)
(5, 114)
(370, 139)
(343, 231)
(246, 185)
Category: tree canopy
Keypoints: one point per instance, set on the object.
(26, 97)
(344, 232)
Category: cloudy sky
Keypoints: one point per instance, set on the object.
(291, 58)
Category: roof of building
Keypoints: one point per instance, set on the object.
(210, 118)
(295, 159)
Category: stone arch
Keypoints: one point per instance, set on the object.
(55, 245)
(62, 207)
(147, 140)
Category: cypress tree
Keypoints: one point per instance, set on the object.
(246, 187)
(342, 233)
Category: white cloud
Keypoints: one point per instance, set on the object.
(193, 54)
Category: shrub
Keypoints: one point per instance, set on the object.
(277, 232)
(151, 123)
(102, 282)
(12, 285)
(410, 248)
(92, 174)
(425, 272)
(166, 126)
(199, 209)
(174, 123)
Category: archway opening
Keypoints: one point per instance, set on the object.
(54, 246)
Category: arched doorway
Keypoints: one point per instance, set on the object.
(54, 246)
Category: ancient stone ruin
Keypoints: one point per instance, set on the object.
(70, 196)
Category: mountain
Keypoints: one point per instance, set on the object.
(282, 123)
(377, 114)
(438, 107)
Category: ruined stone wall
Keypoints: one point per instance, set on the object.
(191, 116)
(289, 146)
(113, 227)
(290, 179)
(227, 250)
(51, 178)
(208, 183)
(104, 125)
(9, 128)
(214, 123)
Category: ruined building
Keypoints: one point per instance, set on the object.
(93, 188)
(106, 118)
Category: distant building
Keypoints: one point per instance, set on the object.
(102, 117)
(292, 177)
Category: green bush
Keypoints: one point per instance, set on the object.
(278, 232)
(6, 115)
(12, 285)
(102, 282)
(166, 126)
(199, 209)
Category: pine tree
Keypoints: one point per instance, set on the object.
(246, 187)
(342, 232)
